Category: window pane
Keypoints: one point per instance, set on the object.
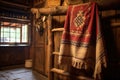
(2, 37)
(12, 30)
(6, 29)
(24, 33)
(6, 37)
(2, 29)
(17, 34)
(12, 37)
(12, 34)
(4, 34)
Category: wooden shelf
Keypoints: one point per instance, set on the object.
(64, 73)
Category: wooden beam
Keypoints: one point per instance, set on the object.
(14, 4)
(58, 10)
(102, 5)
(15, 10)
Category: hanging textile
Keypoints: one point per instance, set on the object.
(82, 43)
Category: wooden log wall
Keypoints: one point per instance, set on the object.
(110, 20)
(10, 56)
(111, 25)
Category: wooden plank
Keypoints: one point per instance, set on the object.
(39, 60)
(115, 24)
(118, 41)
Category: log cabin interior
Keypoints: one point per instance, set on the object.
(31, 36)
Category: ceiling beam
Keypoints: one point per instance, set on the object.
(14, 4)
(15, 10)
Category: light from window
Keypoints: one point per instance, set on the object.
(13, 33)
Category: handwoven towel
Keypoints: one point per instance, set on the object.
(82, 43)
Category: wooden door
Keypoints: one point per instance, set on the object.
(39, 52)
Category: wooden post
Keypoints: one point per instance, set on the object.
(50, 47)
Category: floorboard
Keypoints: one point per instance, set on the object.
(21, 74)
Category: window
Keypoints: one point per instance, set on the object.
(14, 33)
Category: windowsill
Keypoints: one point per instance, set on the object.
(13, 45)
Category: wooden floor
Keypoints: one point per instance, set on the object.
(20, 74)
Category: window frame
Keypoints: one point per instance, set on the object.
(20, 21)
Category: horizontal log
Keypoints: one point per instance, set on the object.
(59, 10)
